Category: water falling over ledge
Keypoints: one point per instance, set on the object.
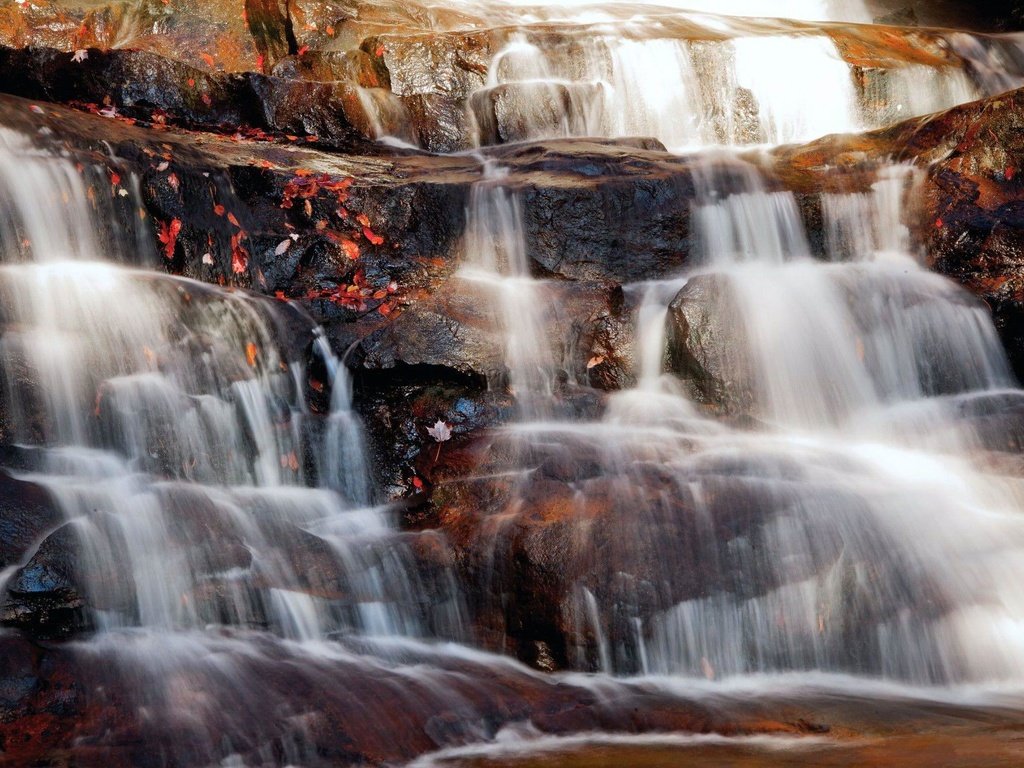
(616, 539)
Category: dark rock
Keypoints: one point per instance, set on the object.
(705, 342)
(27, 514)
(47, 594)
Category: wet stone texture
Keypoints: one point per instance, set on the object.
(252, 169)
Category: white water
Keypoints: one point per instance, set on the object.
(688, 78)
(863, 528)
(164, 420)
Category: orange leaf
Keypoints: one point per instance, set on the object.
(250, 354)
(350, 248)
(208, 59)
(169, 236)
(233, 220)
(218, 209)
(239, 256)
(373, 238)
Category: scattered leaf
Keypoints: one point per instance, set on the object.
(80, 55)
(233, 220)
(350, 248)
(239, 256)
(372, 237)
(595, 361)
(440, 431)
(208, 59)
(208, 259)
(169, 236)
(283, 246)
(250, 354)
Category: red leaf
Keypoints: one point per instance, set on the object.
(350, 248)
(239, 256)
(233, 220)
(169, 236)
(259, 62)
(115, 178)
(373, 238)
(304, 49)
(218, 209)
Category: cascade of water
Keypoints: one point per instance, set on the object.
(823, 538)
(165, 420)
(497, 262)
(637, 79)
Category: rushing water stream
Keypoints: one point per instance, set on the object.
(847, 537)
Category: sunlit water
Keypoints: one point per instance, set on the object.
(688, 78)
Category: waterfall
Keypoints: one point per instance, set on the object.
(167, 422)
(778, 477)
(497, 262)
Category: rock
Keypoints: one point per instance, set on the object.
(27, 514)
(47, 593)
(580, 544)
(102, 705)
(143, 86)
(705, 341)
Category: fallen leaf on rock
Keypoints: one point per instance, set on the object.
(80, 55)
(595, 361)
(169, 236)
(283, 246)
(350, 248)
(250, 354)
(440, 431)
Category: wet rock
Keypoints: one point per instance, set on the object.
(27, 514)
(583, 546)
(46, 594)
(705, 342)
(104, 705)
(148, 87)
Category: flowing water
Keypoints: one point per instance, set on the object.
(843, 526)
